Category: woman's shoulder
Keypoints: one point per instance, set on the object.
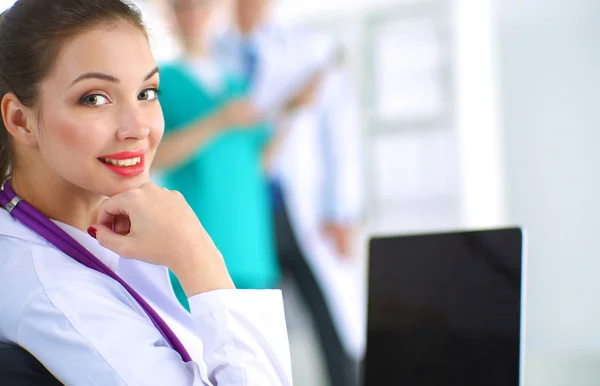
(19, 282)
(35, 260)
(68, 316)
(35, 274)
(17, 268)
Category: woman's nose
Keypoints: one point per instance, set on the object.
(133, 125)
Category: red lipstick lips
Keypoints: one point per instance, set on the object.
(127, 163)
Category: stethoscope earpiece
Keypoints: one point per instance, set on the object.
(12, 203)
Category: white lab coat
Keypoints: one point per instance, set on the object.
(87, 330)
(320, 180)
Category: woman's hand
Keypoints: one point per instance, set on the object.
(155, 225)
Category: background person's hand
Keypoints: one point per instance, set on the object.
(307, 94)
(239, 113)
(157, 226)
(342, 237)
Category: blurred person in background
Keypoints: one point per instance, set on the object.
(213, 149)
(315, 185)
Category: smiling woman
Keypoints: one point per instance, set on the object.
(81, 123)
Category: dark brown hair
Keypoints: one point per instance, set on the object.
(31, 34)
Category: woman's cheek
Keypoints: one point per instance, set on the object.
(70, 136)
(158, 128)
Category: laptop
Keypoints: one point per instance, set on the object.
(445, 309)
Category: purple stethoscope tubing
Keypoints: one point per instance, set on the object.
(43, 226)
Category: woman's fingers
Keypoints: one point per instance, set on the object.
(119, 205)
(121, 225)
(157, 226)
(122, 245)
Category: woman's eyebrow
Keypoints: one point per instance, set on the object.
(154, 71)
(95, 75)
(108, 77)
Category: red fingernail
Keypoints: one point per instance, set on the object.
(92, 231)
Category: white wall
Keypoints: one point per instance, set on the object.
(312, 10)
(4, 4)
(550, 64)
(480, 148)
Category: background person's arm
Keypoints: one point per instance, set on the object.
(340, 137)
(178, 146)
(305, 97)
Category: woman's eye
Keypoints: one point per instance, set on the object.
(94, 100)
(148, 94)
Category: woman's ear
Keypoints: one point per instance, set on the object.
(15, 116)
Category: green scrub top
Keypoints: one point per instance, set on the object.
(223, 181)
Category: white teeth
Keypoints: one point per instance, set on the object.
(125, 162)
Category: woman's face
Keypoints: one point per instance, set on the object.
(194, 17)
(99, 119)
(251, 13)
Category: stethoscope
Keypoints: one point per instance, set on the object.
(43, 226)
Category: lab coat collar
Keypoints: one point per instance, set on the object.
(11, 227)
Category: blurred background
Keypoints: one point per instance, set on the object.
(470, 114)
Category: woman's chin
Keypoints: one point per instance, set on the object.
(127, 185)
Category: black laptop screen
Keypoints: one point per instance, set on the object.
(444, 309)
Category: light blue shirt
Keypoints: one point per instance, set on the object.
(339, 140)
(286, 59)
(86, 329)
